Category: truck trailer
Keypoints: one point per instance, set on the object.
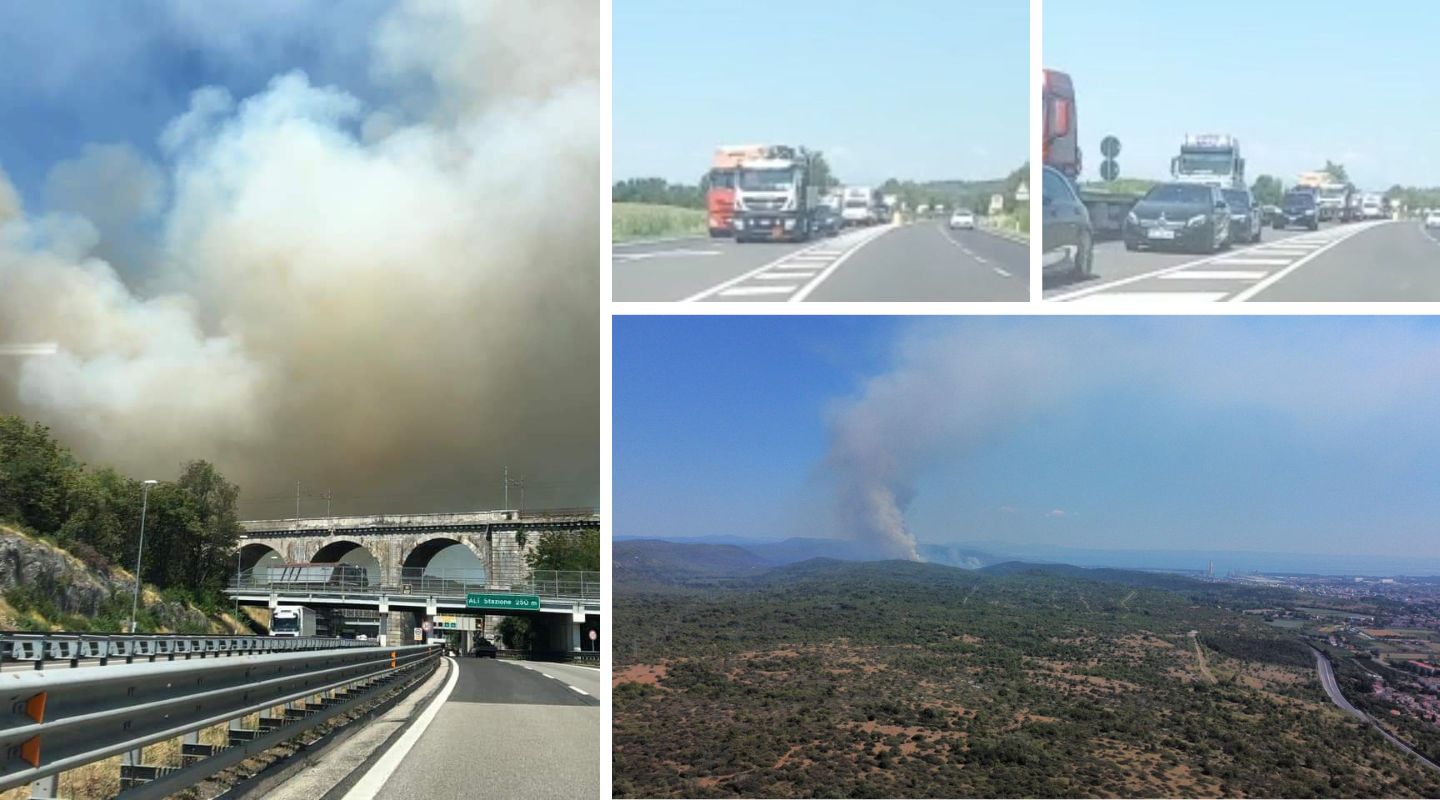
(1060, 147)
(1212, 159)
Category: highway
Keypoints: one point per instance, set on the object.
(915, 262)
(1332, 688)
(1364, 261)
(510, 729)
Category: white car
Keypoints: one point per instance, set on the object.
(962, 219)
(1432, 220)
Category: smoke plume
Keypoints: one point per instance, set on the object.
(389, 303)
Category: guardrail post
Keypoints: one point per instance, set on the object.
(45, 788)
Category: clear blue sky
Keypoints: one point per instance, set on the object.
(1305, 435)
(922, 89)
(74, 73)
(1298, 81)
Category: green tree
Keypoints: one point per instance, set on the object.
(1268, 190)
(36, 475)
(820, 174)
(216, 501)
(1337, 171)
(516, 633)
(559, 550)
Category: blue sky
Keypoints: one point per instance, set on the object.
(925, 89)
(1298, 81)
(74, 73)
(1305, 435)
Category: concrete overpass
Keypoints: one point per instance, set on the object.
(401, 580)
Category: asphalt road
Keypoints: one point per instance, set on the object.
(918, 262)
(1327, 680)
(1366, 261)
(508, 729)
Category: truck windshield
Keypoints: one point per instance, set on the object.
(1206, 163)
(722, 179)
(765, 180)
(285, 625)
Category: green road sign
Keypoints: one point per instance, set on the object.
(504, 602)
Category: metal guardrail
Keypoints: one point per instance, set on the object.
(56, 720)
(441, 583)
(48, 648)
(572, 656)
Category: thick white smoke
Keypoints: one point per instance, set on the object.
(954, 385)
(393, 303)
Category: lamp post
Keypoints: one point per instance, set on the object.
(135, 600)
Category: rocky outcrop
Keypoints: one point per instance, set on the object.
(74, 588)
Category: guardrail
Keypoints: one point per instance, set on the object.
(574, 656)
(456, 582)
(41, 649)
(57, 720)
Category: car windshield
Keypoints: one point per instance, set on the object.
(765, 180)
(1238, 200)
(1179, 193)
(1299, 200)
(1206, 163)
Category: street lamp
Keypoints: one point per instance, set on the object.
(135, 600)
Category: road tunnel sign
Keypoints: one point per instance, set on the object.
(504, 602)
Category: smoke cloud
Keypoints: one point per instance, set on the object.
(391, 303)
(954, 386)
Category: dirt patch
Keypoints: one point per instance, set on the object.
(649, 674)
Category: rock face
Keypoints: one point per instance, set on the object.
(75, 588)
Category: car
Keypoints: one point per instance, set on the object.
(1298, 208)
(825, 221)
(1187, 216)
(1245, 217)
(484, 648)
(1067, 236)
(1432, 220)
(1268, 214)
(962, 219)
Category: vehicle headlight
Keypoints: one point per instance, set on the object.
(789, 223)
(1198, 219)
(1309, 212)
(1132, 219)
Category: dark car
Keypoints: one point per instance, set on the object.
(1298, 208)
(825, 221)
(484, 648)
(1245, 217)
(1186, 216)
(1067, 236)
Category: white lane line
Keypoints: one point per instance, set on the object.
(645, 242)
(1128, 299)
(786, 276)
(1281, 251)
(745, 291)
(1253, 262)
(739, 279)
(1270, 281)
(580, 691)
(1216, 275)
(1001, 272)
(834, 265)
(374, 780)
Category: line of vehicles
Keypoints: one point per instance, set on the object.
(772, 193)
(1206, 206)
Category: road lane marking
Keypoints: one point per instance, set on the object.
(581, 691)
(376, 777)
(645, 242)
(1001, 272)
(663, 254)
(1310, 245)
(1215, 275)
(1270, 281)
(1128, 299)
(834, 265)
(784, 276)
(746, 291)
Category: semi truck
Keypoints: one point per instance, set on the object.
(292, 621)
(1060, 146)
(1212, 159)
(857, 205)
(720, 197)
(1334, 200)
(775, 196)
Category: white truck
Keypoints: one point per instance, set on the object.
(292, 621)
(775, 196)
(1372, 207)
(857, 205)
(1212, 159)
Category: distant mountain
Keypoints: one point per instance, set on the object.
(955, 555)
(640, 563)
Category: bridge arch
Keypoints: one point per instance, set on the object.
(259, 556)
(346, 551)
(444, 557)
